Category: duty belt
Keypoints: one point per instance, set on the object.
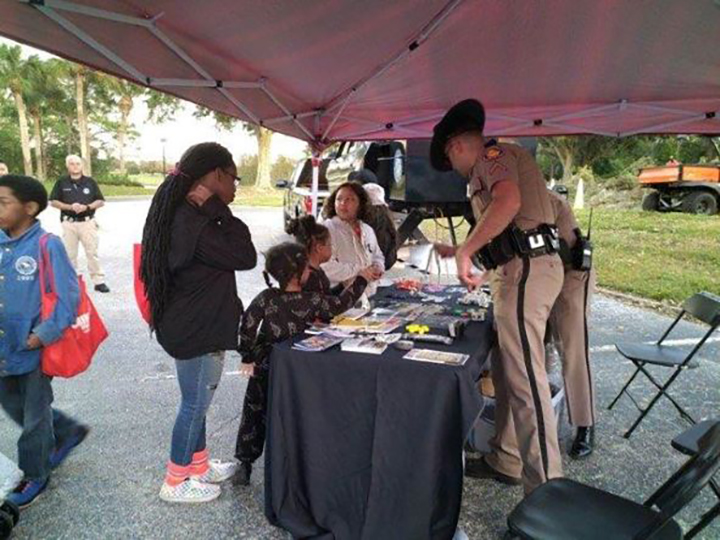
(514, 242)
(76, 219)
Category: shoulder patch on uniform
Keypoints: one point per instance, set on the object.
(493, 153)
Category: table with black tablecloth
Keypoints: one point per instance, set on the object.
(363, 446)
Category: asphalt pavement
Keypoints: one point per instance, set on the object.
(109, 486)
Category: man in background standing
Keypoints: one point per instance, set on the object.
(3, 169)
(78, 197)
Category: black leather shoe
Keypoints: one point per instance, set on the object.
(479, 468)
(584, 443)
(102, 288)
(242, 477)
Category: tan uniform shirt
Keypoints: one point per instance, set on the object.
(502, 161)
(564, 218)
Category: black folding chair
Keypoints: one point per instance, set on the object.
(687, 443)
(563, 509)
(703, 306)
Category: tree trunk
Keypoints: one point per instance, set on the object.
(83, 122)
(567, 159)
(126, 105)
(24, 132)
(39, 155)
(264, 141)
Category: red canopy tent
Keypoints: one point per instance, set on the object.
(342, 69)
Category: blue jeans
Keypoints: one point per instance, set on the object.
(27, 400)
(198, 378)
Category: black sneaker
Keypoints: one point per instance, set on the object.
(242, 477)
(102, 288)
(479, 468)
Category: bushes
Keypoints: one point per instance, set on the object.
(115, 179)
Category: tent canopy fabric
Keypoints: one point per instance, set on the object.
(326, 70)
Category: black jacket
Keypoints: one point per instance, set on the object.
(208, 245)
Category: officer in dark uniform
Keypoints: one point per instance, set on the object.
(78, 197)
(516, 237)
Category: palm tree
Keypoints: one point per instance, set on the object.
(13, 76)
(44, 99)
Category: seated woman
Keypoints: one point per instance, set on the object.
(381, 221)
(354, 245)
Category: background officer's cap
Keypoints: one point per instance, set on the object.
(463, 117)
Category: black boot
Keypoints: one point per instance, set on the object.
(242, 477)
(479, 468)
(584, 442)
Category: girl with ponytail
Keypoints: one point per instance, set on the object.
(277, 314)
(318, 245)
(192, 247)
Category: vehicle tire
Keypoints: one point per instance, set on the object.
(651, 202)
(700, 202)
(286, 223)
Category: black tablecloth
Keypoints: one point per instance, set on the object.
(363, 446)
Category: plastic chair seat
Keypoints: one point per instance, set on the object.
(687, 441)
(654, 354)
(564, 509)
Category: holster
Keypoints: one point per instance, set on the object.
(513, 242)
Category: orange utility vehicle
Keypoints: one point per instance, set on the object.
(688, 188)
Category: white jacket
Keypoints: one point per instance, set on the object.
(351, 254)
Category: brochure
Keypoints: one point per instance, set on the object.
(437, 357)
(363, 345)
(320, 342)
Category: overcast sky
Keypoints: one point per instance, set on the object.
(185, 130)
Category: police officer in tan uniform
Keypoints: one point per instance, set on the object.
(516, 237)
(568, 320)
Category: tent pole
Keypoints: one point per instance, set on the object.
(61, 5)
(657, 127)
(315, 181)
(433, 25)
(90, 42)
(284, 109)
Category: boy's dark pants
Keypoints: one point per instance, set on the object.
(27, 400)
(251, 435)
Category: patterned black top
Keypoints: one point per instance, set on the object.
(317, 282)
(274, 316)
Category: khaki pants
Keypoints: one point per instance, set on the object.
(86, 233)
(526, 440)
(570, 332)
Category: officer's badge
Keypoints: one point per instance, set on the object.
(26, 266)
(86, 191)
(493, 153)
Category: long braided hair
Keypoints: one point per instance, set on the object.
(195, 163)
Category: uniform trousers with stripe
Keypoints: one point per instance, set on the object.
(569, 323)
(526, 440)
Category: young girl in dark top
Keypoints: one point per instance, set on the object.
(316, 239)
(275, 315)
(192, 247)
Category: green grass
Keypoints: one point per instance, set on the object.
(115, 191)
(250, 196)
(148, 179)
(665, 257)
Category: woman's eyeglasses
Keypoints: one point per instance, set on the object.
(236, 178)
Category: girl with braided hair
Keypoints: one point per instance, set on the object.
(318, 245)
(277, 314)
(192, 247)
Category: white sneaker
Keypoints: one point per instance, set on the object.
(189, 491)
(218, 472)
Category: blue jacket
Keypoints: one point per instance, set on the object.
(20, 298)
